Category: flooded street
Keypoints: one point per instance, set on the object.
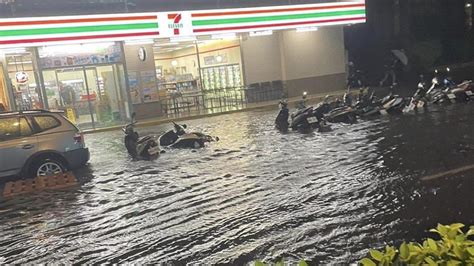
(256, 194)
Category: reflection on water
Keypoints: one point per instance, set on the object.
(255, 194)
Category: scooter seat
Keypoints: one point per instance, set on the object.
(189, 136)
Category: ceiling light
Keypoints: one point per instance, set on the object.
(224, 36)
(260, 33)
(183, 39)
(306, 29)
(13, 51)
(139, 42)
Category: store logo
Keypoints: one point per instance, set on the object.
(175, 23)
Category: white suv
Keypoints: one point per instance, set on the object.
(39, 143)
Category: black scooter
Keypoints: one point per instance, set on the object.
(456, 92)
(178, 138)
(281, 122)
(368, 105)
(393, 104)
(419, 99)
(144, 148)
(304, 120)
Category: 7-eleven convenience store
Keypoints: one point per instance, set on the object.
(100, 68)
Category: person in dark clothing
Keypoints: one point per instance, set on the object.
(68, 95)
(391, 70)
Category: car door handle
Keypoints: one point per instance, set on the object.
(28, 146)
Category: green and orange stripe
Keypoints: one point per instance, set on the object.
(43, 31)
(69, 29)
(279, 17)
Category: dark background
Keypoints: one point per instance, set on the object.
(433, 33)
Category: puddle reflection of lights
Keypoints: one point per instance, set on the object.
(307, 29)
(260, 33)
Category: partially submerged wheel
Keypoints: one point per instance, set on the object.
(47, 167)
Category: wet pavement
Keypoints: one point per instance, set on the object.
(256, 194)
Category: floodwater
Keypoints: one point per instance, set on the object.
(256, 194)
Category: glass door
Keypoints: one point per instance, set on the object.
(74, 94)
(95, 95)
(109, 104)
(67, 89)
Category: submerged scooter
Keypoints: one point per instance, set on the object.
(144, 148)
(178, 138)
(308, 118)
(368, 105)
(457, 92)
(419, 99)
(393, 104)
(281, 122)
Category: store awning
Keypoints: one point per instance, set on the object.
(23, 32)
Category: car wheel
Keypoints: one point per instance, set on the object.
(47, 167)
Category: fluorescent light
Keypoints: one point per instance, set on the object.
(306, 29)
(138, 42)
(183, 39)
(174, 63)
(20, 63)
(13, 51)
(73, 49)
(224, 36)
(260, 33)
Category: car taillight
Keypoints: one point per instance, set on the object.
(79, 138)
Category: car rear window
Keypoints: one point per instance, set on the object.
(46, 122)
(14, 127)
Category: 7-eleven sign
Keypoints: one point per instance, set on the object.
(178, 24)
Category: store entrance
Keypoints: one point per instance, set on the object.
(91, 96)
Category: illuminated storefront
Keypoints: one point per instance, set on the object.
(101, 67)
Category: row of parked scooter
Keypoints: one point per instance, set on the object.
(443, 90)
(150, 147)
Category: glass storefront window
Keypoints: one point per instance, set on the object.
(220, 64)
(199, 73)
(87, 81)
(177, 68)
(22, 74)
